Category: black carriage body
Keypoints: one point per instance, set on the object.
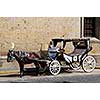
(77, 58)
(81, 48)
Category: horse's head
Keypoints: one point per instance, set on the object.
(10, 55)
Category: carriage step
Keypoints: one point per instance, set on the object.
(65, 66)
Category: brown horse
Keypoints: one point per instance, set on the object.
(24, 58)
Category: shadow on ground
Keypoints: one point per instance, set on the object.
(27, 71)
(32, 72)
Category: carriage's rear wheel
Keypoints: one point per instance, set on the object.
(89, 64)
(55, 67)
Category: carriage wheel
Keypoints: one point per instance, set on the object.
(54, 67)
(89, 64)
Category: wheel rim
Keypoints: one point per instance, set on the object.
(55, 67)
(89, 64)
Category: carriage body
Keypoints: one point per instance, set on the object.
(81, 48)
(76, 59)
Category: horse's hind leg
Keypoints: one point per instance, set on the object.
(37, 70)
(21, 71)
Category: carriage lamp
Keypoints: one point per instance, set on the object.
(74, 58)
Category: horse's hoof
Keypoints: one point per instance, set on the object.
(20, 76)
(38, 75)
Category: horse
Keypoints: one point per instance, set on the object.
(23, 58)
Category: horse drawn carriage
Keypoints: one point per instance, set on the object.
(57, 57)
(75, 60)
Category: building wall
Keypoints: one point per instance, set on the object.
(29, 33)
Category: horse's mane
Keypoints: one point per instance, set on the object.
(26, 54)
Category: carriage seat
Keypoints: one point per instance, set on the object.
(79, 51)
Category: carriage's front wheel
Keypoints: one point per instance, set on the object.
(89, 64)
(55, 67)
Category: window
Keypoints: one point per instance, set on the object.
(89, 26)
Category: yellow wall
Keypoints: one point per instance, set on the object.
(29, 32)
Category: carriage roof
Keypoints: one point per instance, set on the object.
(69, 40)
(84, 42)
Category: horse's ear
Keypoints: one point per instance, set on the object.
(10, 50)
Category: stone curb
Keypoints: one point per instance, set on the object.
(97, 67)
(9, 72)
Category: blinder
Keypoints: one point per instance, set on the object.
(10, 56)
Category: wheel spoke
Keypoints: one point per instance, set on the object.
(54, 67)
(89, 64)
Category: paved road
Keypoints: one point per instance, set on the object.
(64, 77)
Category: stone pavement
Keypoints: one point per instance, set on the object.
(64, 77)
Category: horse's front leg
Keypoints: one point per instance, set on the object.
(21, 70)
(37, 70)
(37, 67)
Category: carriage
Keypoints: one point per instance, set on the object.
(56, 57)
(75, 60)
